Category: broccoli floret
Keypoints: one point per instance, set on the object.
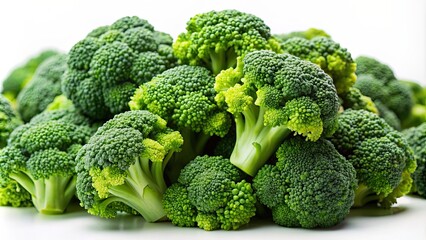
(106, 67)
(377, 81)
(335, 60)
(215, 39)
(416, 138)
(9, 120)
(270, 96)
(310, 186)
(388, 115)
(380, 155)
(307, 34)
(23, 74)
(121, 168)
(212, 194)
(40, 157)
(43, 88)
(184, 97)
(354, 99)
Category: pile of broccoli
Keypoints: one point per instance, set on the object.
(225, 124)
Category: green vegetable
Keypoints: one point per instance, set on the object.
(211, 194)
(307, 34)
(215, 39)
(310, 186)
(271, 96)
(354, 99)
(106, 67)
(121, 168)
(9, 120)
(380, 155)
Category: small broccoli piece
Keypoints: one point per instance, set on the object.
(121, 168)
(40, 157)
(106, 67)
(43, 88)
(215, 39)
(310, 186)
(307, 34)
(9, 120)
(271, 96)
(335, 60)
(23, 74)
(212, 194)
(354, 99)
(377, 81)
(416, 138)
(184, 97)
(380, 155)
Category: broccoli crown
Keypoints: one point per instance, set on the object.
(211, 194)
(43, 88)
(416, 138)
(271, 95)
(106, 67)
(184, 97)
(9, 120)
(380, 71)
(355, 100)
(310, 186)
(21, 75)
(395, 95)
(329, 55)
(40, 158)
(215, 39)
(307, 34)
(121, 168)
(380, 155)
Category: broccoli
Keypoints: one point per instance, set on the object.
(21, 75)
(270, 96)
(377, 81)
(354, 99)
(43, 88)
(307, 34)
(388, 115)
(184, 97)
(416, 138)
(121, 168)
(417, 115)
(212, 194)
(106, 67)
(380, 155)
(9, 120)
(310, 186)
(329, 55)
(40, 158)
(215, 39)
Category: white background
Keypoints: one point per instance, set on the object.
(394, 31)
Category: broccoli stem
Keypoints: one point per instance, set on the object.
(255, 142)
(141, 192)
(364, 195)
(218, 61)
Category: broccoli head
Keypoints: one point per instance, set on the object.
(354, 99)
(121, 168)
(20, 76)
(40, 159)
(377, 81)
(184, 97)
(271, 96)
(106, 67)
(310, 186)
(215, 39)
(307, 34)
(335, 60)
(380, 155)
(416, 138)
(43, 88)
(211, 194)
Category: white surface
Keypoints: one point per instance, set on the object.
(393, 31)
(407, 223)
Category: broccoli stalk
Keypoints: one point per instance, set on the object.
(270, 99)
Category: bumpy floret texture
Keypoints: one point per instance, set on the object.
(121, 167)
(9, 120)
(335, 60)
(354, 99)
(210, 194)
(382, 158)
(215, 39)
(307, 34)
(106, 67)
(43, 88)
(416, 138)
(310, 186)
